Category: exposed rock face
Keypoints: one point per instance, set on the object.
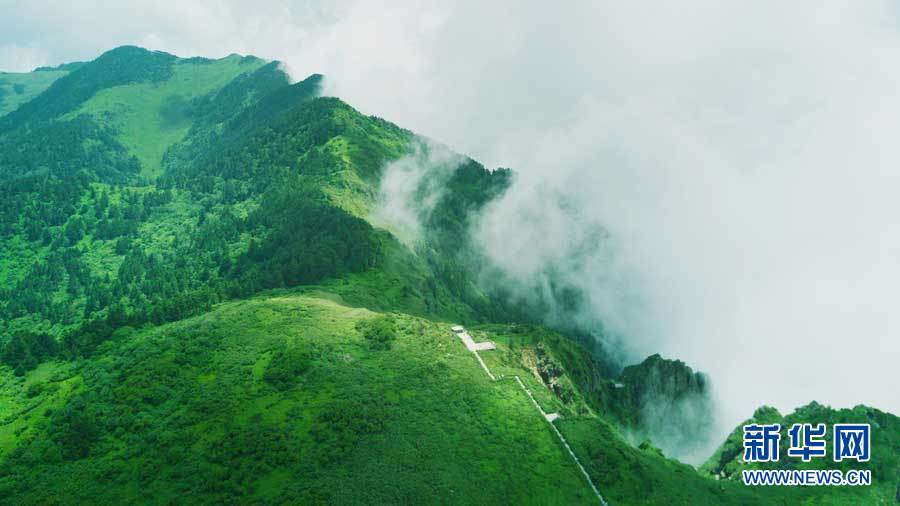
(666, 401)
(551, 373)
(657, 379)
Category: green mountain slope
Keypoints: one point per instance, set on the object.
(279, 399)
(151, 116)
(727, 462)
(198, 300)
(90, 244)
(17, 88)
(283, 399)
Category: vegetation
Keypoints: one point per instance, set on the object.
(264, 187)
(726, 463)
(278, 400)
(287, 366)
(380, 332)
(19, 88)
(195, 303)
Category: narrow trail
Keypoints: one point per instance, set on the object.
(474, 347)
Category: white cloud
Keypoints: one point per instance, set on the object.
(411, 187)
(742, 154)
(15, 58)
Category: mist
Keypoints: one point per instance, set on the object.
(718, 178)
(411, 187)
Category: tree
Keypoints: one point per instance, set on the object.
(287, 366)
(380, 331)
(25, 350)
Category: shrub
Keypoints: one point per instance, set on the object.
(286, 367)
(25, 350)
(380, 332)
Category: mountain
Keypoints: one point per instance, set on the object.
(19, 88)
(726, 463)
(203, 296)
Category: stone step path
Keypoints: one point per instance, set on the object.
(474, 347)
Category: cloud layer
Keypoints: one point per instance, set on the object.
(741, 156)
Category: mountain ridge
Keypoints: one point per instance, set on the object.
(144, 194)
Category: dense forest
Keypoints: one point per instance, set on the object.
(196, 301)
(256, 195)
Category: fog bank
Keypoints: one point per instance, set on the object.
(719, 178)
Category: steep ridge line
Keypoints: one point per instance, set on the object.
(472, 346)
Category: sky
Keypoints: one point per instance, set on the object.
(740, 158)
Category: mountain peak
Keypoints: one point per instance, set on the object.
(192, 263)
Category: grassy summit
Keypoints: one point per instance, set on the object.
(17, 88)
(204, 408)
(281, 399)
(150, 117)
(197, 304)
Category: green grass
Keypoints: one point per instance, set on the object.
(188, 410)
(31, 85)
(22, 412)
(631, 476)
(400, 283)
(17, 256)
(150, 117)
(351, 187)
(176, 220)
(282, 398)
(418, 423)
(727, 461)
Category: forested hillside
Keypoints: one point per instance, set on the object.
(145, 188)
(199, 300)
